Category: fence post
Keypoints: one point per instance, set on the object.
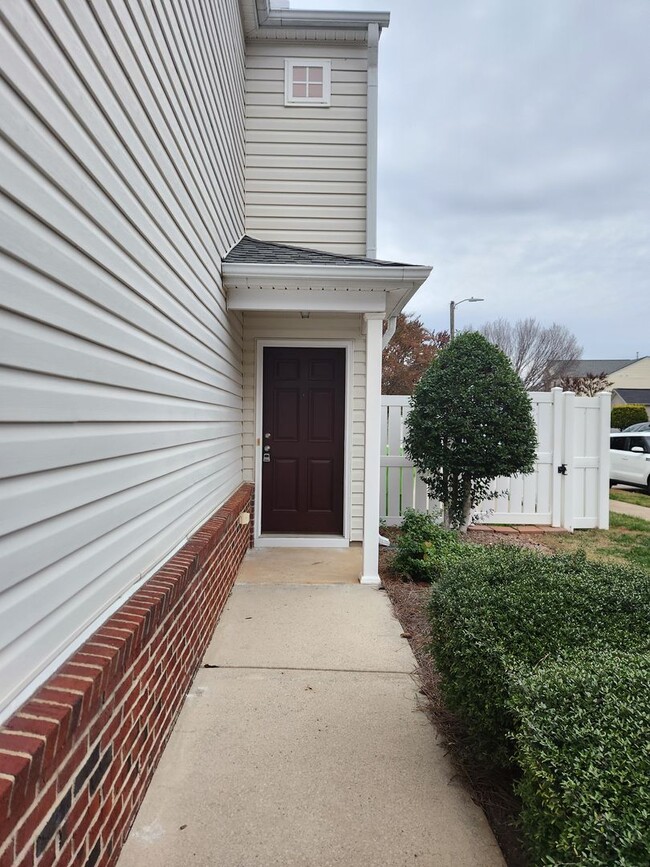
(558, 433)
(604, 427)
(568, 459)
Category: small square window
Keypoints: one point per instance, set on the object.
(307, 82)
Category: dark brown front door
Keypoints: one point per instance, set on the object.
(303, 423)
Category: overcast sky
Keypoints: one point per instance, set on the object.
(514, 157)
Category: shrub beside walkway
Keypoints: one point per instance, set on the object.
(301, 743)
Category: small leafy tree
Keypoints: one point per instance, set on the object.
(587, 385)
(470, 422)
(408, 354)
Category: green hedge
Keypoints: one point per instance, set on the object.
(497, 612)
(423, 547)
(547, 661)
(625, 415)
(583, 744)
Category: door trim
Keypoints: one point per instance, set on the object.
(301, 540)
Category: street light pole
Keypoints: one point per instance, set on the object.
(452, 314)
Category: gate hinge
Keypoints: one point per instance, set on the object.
(562, 469)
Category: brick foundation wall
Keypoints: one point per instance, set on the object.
(76, 759)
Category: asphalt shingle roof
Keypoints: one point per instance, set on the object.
(593, 365)
(634, 395)
(253, 251)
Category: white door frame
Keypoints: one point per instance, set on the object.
(303, 541)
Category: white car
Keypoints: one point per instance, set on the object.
(629, 459)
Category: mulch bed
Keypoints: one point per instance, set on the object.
(493, 793)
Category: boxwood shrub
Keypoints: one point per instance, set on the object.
(583, 745)
(424, 546)
(547, 660)
(499, 612)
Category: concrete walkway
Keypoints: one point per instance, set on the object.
(630, 509)
(301, 743)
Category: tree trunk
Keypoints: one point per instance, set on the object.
(467, 504)
(446, 511)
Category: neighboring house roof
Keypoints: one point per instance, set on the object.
(634, 395)
(252, 250)
(584, 366)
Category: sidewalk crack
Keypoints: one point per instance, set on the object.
(299, 668)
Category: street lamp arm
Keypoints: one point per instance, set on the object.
(452, 311)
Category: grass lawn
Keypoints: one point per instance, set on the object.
(627, 541)
(637, 498)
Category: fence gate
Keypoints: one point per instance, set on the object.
(569, 486)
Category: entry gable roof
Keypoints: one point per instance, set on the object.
(252, 250)
(263, 275)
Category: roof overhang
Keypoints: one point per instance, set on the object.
(333, 288)
(261, 21)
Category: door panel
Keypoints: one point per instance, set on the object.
(303, 431)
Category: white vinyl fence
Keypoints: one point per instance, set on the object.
(568, 488)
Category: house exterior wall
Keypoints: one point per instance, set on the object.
(306, 165)
(123, 166)
(76, 761)
(635, 375)
(291, 327)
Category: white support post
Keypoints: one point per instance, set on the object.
(568, 509)
(370, 569)
(558, 436)
(604, 427)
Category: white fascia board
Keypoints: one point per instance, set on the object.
(331, 19)
(306, 300)
(327, 19)
(398, 299)
(387, 278)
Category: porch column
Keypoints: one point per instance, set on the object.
(370, 569)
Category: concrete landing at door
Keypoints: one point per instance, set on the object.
(301, 566)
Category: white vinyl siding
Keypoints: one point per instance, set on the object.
(291, 327)
(306, 165)
(122, 166)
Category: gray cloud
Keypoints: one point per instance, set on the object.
(515, 158)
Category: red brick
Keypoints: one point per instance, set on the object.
(28, 859)
(27, 829)
(26, 744)
(87, 688)
(55, 700)
(68, 857)
(48, 857)
(78, 809)
(80, 833)
(19, 768)
(112, 728)
(6, 787)
(72, 765)
(7, 858)
(47, 729)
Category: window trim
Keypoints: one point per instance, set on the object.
(325, 65)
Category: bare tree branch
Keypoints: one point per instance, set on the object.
(538, 353)
(588, 385)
